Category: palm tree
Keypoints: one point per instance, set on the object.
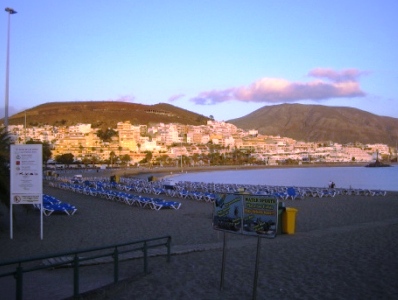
(195, 158)
(5, 141)
(112, 156)
(125, 159)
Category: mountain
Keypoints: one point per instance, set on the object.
(314, 123)
(321, 123)
(104, 114)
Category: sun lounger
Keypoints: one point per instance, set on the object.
(326, 193)
(158, 191)
(183, 194)
(209, 197)
(158, 204)
(144, 202)
(378, 193)
(52, 205)
(293, 194)
(281, 195)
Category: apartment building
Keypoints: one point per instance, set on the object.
(134, 140)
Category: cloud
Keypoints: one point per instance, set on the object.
(336, 76)
(213, 97)
(125, 98)
(175, 97)
(338, 84)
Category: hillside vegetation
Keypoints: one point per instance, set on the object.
(104, 114)
(321, 123)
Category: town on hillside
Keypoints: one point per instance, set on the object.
(216, 143)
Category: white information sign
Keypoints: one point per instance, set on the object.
(26, 171)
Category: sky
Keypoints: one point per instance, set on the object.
(224, 58)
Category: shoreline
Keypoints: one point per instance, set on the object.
(142, 171)
(360, 178)
(170, 175)
(166, 171)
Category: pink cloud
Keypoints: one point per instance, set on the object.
(175, 97)
(337, 76)
(213, 97)
(341, 84)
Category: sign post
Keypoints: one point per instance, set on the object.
(26, 170)
(243, 213)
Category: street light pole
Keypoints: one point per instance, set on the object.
(181, 157)
(10, 12)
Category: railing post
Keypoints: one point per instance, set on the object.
(145, 258)
(19, 282)
(116, 265)
(168, 248)
(76, 276)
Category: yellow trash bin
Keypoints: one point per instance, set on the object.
(289, 220)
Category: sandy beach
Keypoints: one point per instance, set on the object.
(344, 248)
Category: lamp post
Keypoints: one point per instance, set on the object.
(181, 164)
(10, 12)
(181, 158)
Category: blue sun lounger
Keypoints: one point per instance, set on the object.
(52, 205)
(158, 204)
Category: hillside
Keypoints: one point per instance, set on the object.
(104, 114)
(300, 122)
(321, 123)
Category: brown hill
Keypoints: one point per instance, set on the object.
(321, 123)
(104, 114)
(300, 122)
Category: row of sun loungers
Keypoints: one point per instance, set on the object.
(52, 205)
(201, 191)
(97, 189)
(196, 190)
(159, 188)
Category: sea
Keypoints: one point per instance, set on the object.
(385, 178)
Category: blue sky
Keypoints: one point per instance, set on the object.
(220, 58)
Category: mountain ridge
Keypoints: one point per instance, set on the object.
(321, 123)
(104, 114)
(309, 123)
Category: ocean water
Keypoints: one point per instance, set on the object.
(344, 177)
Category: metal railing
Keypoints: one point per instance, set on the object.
(74, 259)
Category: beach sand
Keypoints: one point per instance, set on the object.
(343, 248)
